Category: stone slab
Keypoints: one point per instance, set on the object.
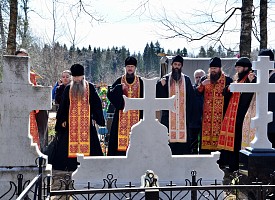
(258, 164)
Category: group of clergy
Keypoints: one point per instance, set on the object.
(218, 113)
(206, 113)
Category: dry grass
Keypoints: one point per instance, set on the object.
(51, 130)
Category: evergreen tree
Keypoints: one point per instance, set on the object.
(220, 52)
(94, 66)
(146, 58)
(211, 52)
(229, 53)
(178, 52)
(169, 52)
(156, 49)
(184, 52)
(140, 66)
(202, 52)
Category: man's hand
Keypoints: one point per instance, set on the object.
(251, 76)
(206, 82)
(163, 81)
(63, 124)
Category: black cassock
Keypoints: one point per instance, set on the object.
(61, 160)
(178, 148)
(115, 95)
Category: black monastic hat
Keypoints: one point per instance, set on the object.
(244, 62)
(177, 58)
(267, 52)
(130, 61)
(215, 62)
(77, 70)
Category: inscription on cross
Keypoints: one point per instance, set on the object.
(18, 98)
(261, 88)
(156, 104)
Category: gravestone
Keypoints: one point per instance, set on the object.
(18, 98)
(148, 150)
(259, 158)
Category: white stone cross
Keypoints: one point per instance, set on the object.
(156, 104)
(261, 88)
(18, 98)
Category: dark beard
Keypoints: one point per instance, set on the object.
(215, 77)
(130, 75)
(130, 78)
(242, 75)
(176, 74)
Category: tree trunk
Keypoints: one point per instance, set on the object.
(246, 28)
(25, 23)
(11, 43)
(2, 32)
(263, 24)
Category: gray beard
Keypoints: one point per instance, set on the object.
(78, 89)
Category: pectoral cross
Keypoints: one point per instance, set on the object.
(130, 92)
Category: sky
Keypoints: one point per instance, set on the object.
(131, 23)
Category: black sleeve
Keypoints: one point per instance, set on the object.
(226, 93)
(96, 106)
(115, 95)
(190, 97)
(63, 110)
(162, 91)
(58, 94)
(203, 78)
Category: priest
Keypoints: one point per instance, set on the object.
(178, 121)
(79, 110)
(131, 86)
(230, 138)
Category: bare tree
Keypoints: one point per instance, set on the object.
(183, 28)
(2, 30)
(25, 20)
(263, 24)
(246, 28)
(205, 25)
(11, 42)
(50, 59)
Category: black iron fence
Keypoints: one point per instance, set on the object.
(251, 192)
(30, 189)
(40, 188)
(192, 190)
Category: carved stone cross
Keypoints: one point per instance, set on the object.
(18, 98)
(148, 149)
(149, 104)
